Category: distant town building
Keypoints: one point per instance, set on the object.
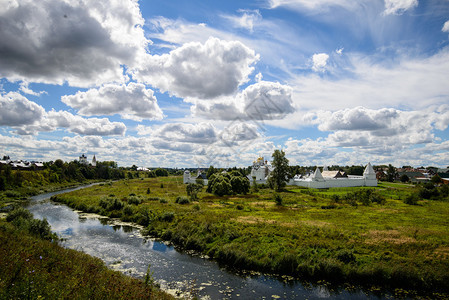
(94, 161)
(21, 164)
(83, 160)
(188, 178)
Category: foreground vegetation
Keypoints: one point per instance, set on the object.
(34, 267)
(366, 236)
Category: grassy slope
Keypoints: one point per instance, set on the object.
(31, 268)
(392, 245)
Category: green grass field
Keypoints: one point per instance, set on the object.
(313, 234)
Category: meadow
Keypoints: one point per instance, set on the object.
(363, 236)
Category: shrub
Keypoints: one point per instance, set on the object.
(335, 198)
(240, 207)
(128, 210)
(19, 213)
(346, 256)
(12, 194)
(411, 199)
(182, 200)
(162, 200)
(134, 200)
(375, 197)
(23, 220)
(167, 216)
(278, 199)
(110, 204)
(148, 191)
(193, 189)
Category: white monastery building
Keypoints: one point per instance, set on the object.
(329, 179)
(261, 170)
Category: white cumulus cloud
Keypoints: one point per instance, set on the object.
(263, 100)
(28, 118)
(131, 101)
(319, 62)
(397, 7)
(201, 133)
(445, 27)
(78, 42)
(197, 70)
(17, 110)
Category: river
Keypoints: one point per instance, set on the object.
(122, 248)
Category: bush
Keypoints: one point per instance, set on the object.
(182, 200)
(411, 199)
(23, 220)
(346, 256)
(111, 204)
(193, 189)
(278, 199)
(167, 216)
(375, 197)
(428, 191)
(12, 194)
(19, 213)
(128, 210)
(162, 200)
(134, 200)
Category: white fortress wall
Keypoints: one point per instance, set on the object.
(334, 182)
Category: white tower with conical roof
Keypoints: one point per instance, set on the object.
(370, 176)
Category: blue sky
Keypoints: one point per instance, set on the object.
(199, 83)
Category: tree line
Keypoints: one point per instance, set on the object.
(59, 172)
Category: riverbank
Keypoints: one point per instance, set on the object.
(33, 268)
(384, 244)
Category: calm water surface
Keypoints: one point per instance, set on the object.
(122, 248)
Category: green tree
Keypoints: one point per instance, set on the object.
(193, 189)
(219, 184)
(356, 170)
(59, 163)
(278, 177)
(404, 178)
(211, 171)
(222, 187)
(391, 173)
(161, 172)
(240, 184)
(2, 183)
(436, 179)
